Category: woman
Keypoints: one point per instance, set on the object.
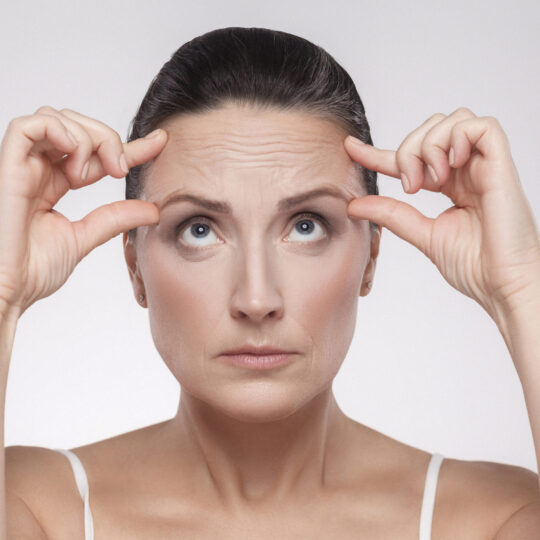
(252, 225)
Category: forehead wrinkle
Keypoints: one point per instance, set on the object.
(280, 143)
(203, 148)
(216, 175)
(206, 171)
(237, 131)
(302, 161)
(208, 165)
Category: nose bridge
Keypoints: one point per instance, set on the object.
(258, 292)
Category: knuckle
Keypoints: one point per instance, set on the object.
(17, 122)
(117, 139)
(429, 149)
(431, 139)
(425, 145)
(111, 137)
(437, 116)
(45, 109)
(492, 124)
(464, 111)
(401, 159)
(492, 121)
(12, 123)
(66, 110)
(109, 132)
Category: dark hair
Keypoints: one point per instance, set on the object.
(258, 66)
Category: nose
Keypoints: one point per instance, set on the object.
(257, 295)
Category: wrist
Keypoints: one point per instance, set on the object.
(519, 320)
(9, 313)
(8, 327)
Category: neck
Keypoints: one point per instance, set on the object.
(262, 462)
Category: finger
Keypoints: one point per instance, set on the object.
(392, 163)
(106, 143)
(401, 218)
(36, 133)
(434, 150)
(414, 171)
(371, 157)
(145, 148)
(105, 222)
(484, 134)
(135, 152)
(73, 165)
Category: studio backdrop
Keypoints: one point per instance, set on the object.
(427, 365)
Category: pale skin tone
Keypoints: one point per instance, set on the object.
(247, 451)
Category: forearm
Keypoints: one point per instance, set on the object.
(520, 328)
(8, 325)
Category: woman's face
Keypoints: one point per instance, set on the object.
(265, 272)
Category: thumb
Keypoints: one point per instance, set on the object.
(105, 222)
(401, 218)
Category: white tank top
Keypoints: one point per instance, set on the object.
(426, 514)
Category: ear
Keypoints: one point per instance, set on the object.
(369, 273)
(130, 254)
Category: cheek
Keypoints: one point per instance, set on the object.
(329, 303)
(189, 305)
(183, 306)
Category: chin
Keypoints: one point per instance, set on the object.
(259, 402)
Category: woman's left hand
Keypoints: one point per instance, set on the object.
(487, 245)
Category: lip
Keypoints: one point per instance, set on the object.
(258, 361)
(256, 349)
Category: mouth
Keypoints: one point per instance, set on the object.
(258, 361)
(253, 357)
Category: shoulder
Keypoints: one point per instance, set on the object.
(478, 497)
(43, 480)
(29, 467)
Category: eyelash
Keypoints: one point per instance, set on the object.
(303, 215)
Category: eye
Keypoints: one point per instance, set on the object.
(305, 228)
(199, 229)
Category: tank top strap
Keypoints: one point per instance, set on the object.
(82, 485)
(428, 501)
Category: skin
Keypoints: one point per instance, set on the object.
(259, 436)
(247, 454)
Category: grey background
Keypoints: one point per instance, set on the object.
(427, 365)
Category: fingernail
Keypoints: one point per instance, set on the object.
(451, 157)
(123, 163)
(85, 170)
(405, 182)
(153, 134)
(432, 173)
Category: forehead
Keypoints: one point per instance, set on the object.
(252, 149)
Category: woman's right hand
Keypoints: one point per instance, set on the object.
(39, 163)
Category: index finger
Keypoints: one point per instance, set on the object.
(145, 148)
(372, 158)
(135, 152)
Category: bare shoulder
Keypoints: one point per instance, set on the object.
(477, 497)
(473, 499)
(40, 481)
(43, 479)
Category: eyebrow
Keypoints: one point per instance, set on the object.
(283, 205)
